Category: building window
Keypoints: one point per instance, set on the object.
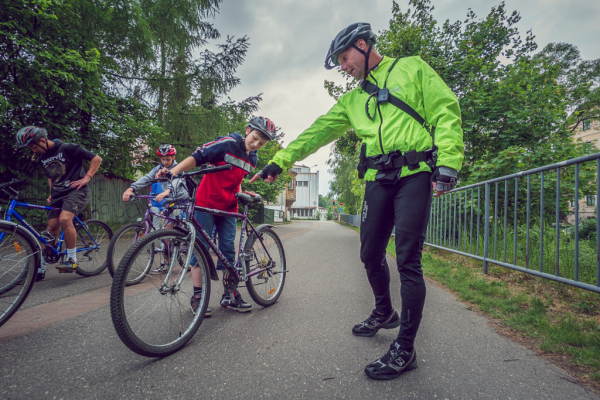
(572, 203)
(291, 185)
(587, 125)
(590, 200)
(297, 169)
(302, 183)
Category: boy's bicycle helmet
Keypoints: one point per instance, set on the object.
(166, 150)
(347, 38)
(30, 134)
(264, 125)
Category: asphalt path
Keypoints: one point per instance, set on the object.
(301, 347)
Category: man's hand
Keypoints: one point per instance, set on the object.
(79, 183)
(249, 193)
(269, 174)
(443, 180)
(127, 194)
(49, 199)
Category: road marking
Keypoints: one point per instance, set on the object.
(43, 315)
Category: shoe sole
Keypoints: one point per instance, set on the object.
(206, 315)
(65, 271)
(389, 325)
(240, 310)
(412, 366)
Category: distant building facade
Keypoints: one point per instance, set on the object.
(588, 132)
(307, 193)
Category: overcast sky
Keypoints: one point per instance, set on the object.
(290, 38)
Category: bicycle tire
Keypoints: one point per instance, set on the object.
(92, 262)
(265, 287)
(142, 316)
(25, 249)
(126, 236)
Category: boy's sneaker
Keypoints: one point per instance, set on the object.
(195, 303)
(39, 277)
(375, 322)
(161, 268)
(67, 267)
(235, 303)
(393, 364)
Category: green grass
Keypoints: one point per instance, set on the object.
(558, 318)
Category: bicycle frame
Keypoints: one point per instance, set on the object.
(236, 268)
(11, 212)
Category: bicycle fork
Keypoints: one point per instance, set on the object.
(191, 240)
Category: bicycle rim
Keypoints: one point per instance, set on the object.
(95, 240)
(122, 241)
(266, 286)
(17, 265)
(154, 318)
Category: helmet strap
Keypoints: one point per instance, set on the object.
(366, 54)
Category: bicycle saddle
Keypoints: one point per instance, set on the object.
(247, 199)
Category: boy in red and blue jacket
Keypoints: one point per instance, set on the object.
(218, 191)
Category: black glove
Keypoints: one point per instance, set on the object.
(445, 178)
(271, 170)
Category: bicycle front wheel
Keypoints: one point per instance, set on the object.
(122, 241)
(154, 318)
(268, 257)
(91, 247)
(18, 264)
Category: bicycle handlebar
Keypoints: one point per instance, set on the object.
(12, 182)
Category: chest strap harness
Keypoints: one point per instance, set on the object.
(394, 159)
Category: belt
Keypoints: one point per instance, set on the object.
(396, 159)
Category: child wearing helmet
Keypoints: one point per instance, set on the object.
(218, 191)
(69, 190)
(167, 154)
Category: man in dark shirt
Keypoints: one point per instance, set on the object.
(69, 190)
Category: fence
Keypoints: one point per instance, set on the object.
(523, 224)
(106, 203)
(353, 220)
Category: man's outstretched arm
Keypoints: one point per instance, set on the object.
(323, 131)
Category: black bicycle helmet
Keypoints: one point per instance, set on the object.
(264, 125)
(30, 134)
(166, 150)
(347, 38)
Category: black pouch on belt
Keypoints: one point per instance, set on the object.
(389, 176)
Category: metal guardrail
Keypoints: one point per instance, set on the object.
(527, 244)
(353, 220)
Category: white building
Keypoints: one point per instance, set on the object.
(307, 193)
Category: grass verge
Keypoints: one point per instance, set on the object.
(561, 323)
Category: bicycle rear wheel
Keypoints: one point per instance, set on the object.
(154, 318)
(266, 286)
(122, 241)
(96, 239)
(19, 260)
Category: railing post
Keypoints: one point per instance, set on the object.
(487, 228)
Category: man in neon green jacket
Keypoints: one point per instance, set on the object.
(388, 112)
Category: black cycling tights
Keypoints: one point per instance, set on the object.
(406, 206)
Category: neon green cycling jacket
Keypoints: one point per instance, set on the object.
(411, 80)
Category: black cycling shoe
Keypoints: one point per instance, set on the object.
(235, 303)
(195, 304)
(393, 364)
(375, 322)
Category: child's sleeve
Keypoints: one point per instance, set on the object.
(213, 151)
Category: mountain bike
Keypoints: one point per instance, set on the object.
(92, 235)
(20, 256)
(129, 234)
(154, 318)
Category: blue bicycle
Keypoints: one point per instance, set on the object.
(93, 236)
